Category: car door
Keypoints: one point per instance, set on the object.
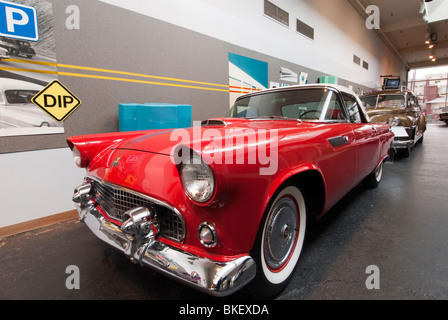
(338, 164)
(366, 138)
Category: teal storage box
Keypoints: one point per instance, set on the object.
(149, 116)
(328, 79)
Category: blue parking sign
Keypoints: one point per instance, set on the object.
(18, 21)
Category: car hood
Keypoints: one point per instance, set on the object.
(383, 115)
(388, 111)
(213, 135)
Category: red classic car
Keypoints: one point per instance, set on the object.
(225, 204)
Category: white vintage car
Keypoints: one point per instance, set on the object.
(4, 53)
(16, 108)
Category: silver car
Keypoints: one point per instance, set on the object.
(16, 108)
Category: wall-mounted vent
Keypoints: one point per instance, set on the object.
(356, 59)
(305, 29)
(274, 12)
(365, 65)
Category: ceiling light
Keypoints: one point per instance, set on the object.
(431, 46)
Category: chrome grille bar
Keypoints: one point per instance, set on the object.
(116, 200)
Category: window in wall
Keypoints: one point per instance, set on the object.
(305, 29)
(356, 59)
(276, 13)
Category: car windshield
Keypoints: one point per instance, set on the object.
(385, 101)
(20, 96)
(312, 104)
(369, 102)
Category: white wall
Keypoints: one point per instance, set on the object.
(340, 32)
(36, 184)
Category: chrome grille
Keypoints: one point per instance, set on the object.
(116, 201)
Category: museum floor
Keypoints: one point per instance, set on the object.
(400, 229)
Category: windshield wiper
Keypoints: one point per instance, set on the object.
(277, 117)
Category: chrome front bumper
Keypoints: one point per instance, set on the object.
(212, 277)
(398, 144)
(402, 139)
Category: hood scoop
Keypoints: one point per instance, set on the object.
(213, 122)
(225, 122)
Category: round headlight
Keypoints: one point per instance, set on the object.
(197, 179)
(393, 122)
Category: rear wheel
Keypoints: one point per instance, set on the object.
(279, 242)
(374, 179)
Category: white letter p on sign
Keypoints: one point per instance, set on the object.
(11, 22)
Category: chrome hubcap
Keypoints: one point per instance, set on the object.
(379, 172)
(280, 233)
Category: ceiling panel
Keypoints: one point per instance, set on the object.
(405, 26)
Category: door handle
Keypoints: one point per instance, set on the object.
(338, 141)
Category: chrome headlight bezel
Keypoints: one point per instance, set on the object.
(77, 157)
(197, 179)
(394, 121)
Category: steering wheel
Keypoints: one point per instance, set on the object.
(308, 111)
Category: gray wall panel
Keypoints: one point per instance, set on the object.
(115, 39)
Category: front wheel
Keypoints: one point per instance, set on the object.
(279, 242)
(404, 152)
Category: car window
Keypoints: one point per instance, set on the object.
(370, 101)
(311, 104)
(19, 96)
(412, 103)
(391, 101)
(334, 110)
(353, 108)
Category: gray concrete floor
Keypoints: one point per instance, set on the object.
(401, 228)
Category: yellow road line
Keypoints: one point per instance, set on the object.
(111, 78)
(62, 65)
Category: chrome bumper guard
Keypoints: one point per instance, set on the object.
(397, 144)
(137, 240)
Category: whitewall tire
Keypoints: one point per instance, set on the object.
(280, 241)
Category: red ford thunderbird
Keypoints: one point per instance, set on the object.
(224, 205)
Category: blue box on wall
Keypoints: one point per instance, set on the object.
(328, 79)
(149, 116)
